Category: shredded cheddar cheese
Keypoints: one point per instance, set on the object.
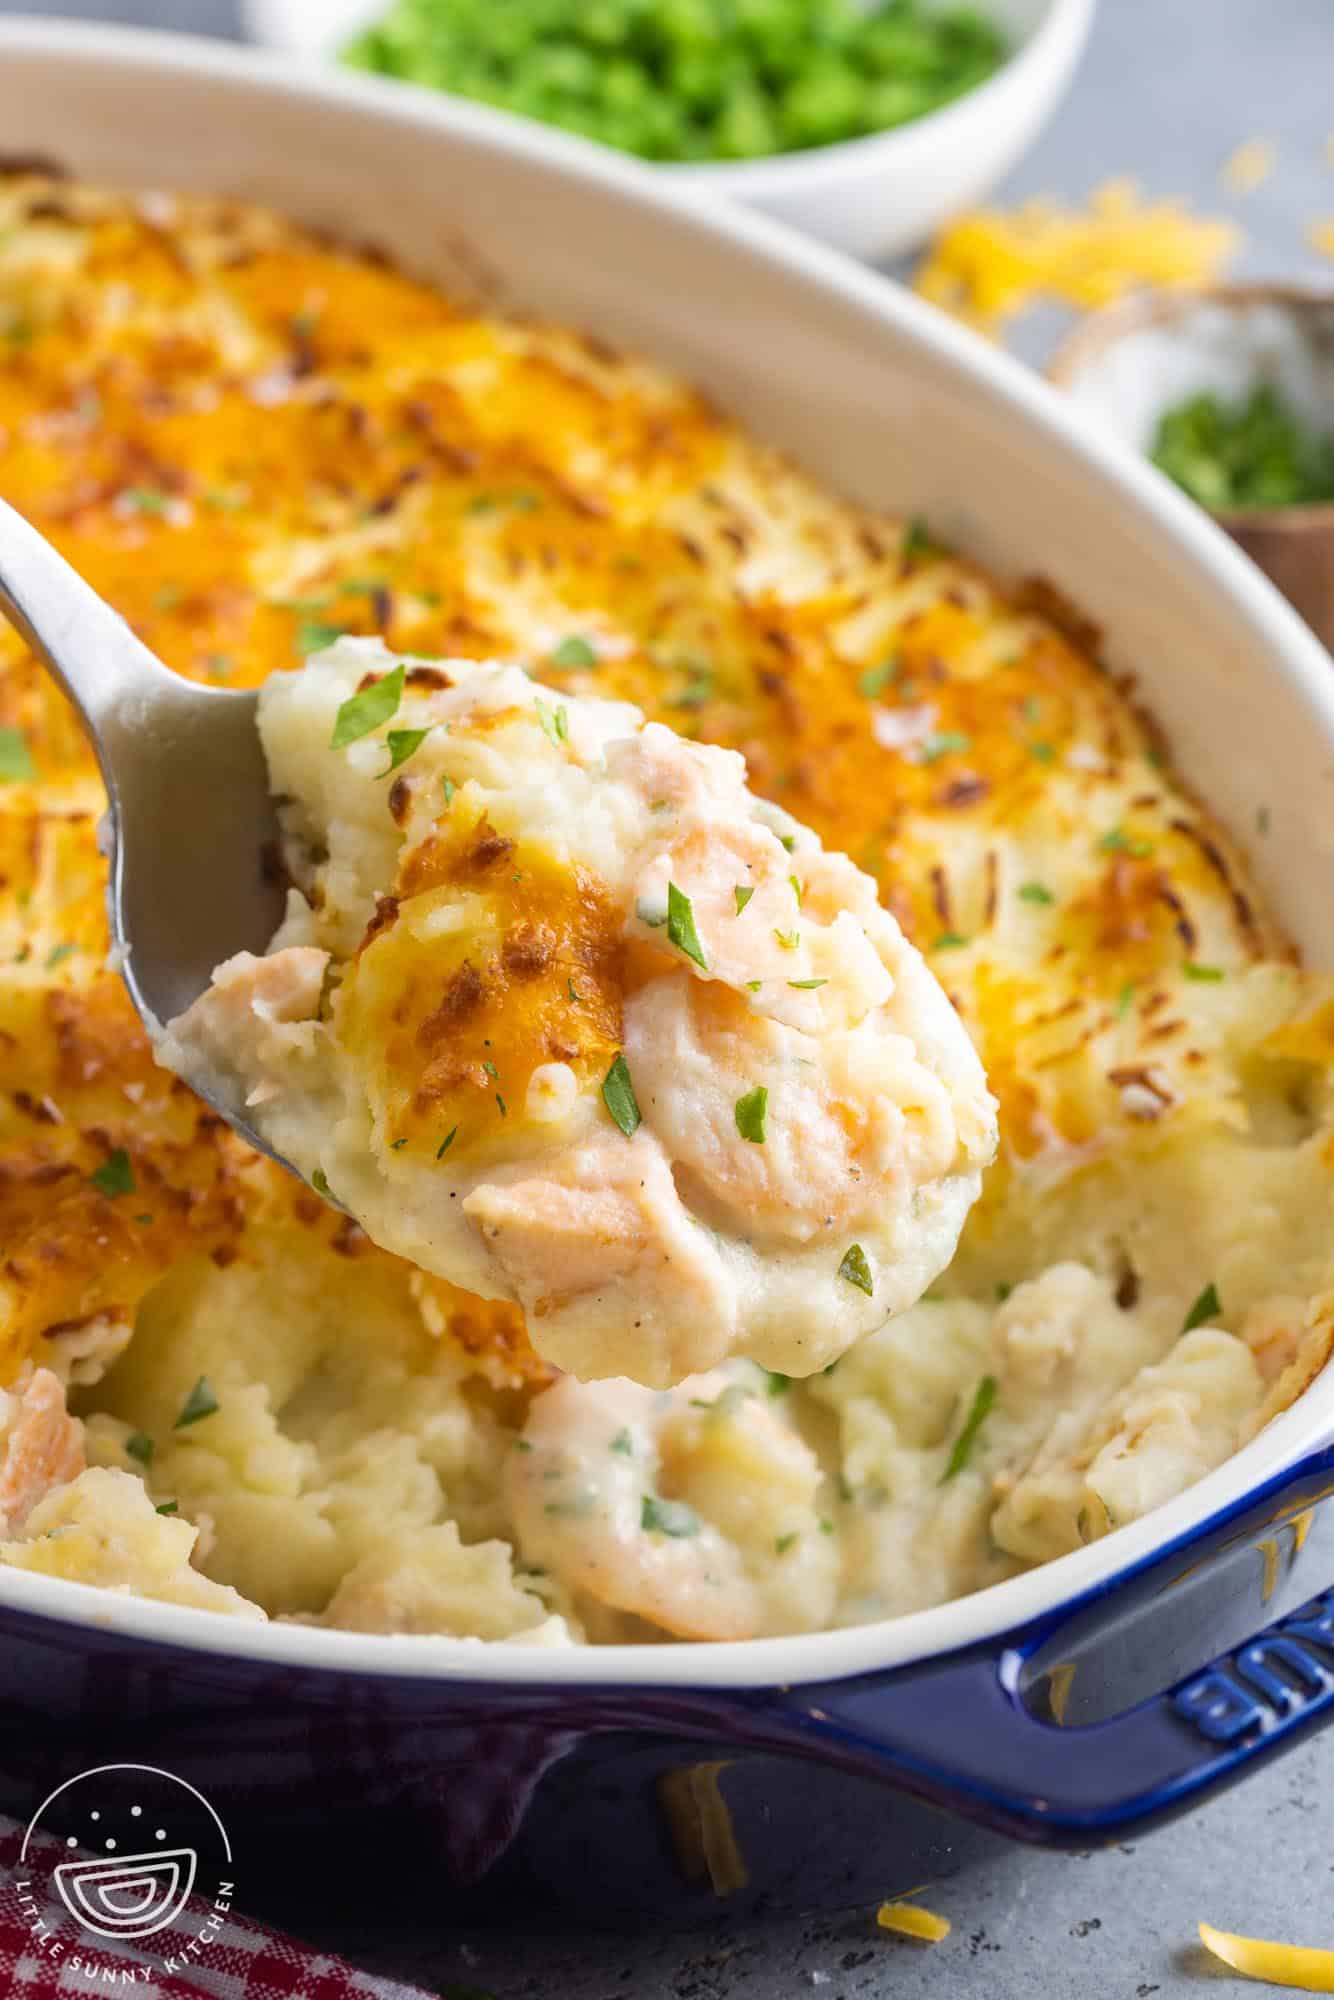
(989, 266)
(1248, 165)
(1304, 1967)
(911, 1921)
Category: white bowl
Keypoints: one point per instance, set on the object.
(882, 398)
(873, 197)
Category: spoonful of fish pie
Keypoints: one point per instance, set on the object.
(562, 1011)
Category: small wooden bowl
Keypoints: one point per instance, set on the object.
(1129, 363)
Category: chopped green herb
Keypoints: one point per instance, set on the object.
(367, 709)
(1032, 708)
(1205, 975)
(168, 1507)
(501, 1105)
(201, 1402)
(826, 1525)
(876, 679)
(491, 1070)
(571, 990)
(668, 1517)
(788, 842)
(1003, 1292)
(945, 743)
(743, 893)
(555, 724)
(1257, 451)
(806, 985)
(1262, 819)
(1118, 841)
(1034, 892)
(145, 1219)
(58, 954)
(141, 1446)
(401, 744)
(448, 788)
(218, 666)
(681, 926)
(618, 1094)
(319, 1181)
(115, 1176)
(754, 985)
(794, 883)
(398, 1145)
(750, 1114)
(1206, 1307)
(16, 765)
(522, 1444)
(983, 1399)
(856, 1269)
(775, 1383)
(144, 500)
(446, 1142)
(1125, 1000)
(624, 1444)
(788, 939)
(949, 941)
(574, 652)
(919, 541)
(1042, 752)
(782, 1543)
(313, 635)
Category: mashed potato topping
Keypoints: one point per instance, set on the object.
(218, 1390)
(563, 1012)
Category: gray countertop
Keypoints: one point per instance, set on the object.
(1167, 89)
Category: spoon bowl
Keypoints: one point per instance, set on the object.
(191, 831)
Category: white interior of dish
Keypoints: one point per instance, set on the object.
(1217, 346)
(879, 396)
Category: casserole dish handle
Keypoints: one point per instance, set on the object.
(1108, 1713)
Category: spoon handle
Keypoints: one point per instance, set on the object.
(109, 674)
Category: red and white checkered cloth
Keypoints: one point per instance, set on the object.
(244, 1961)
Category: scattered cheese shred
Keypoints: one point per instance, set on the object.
(908, 1920)
(990, 265)
(1309, 1970)
(1248, 164)
(1322, 238)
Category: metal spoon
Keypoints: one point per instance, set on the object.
(190, 819)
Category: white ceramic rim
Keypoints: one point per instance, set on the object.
(1200, 546)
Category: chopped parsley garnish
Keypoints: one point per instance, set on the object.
(618, 1094)
(313, 635)
(681, 926)
(919, 541)
(398, 1145)
(1263, 819)
(491, 1071)
(743, 894)
(806, 985)
(788, 939)
(115, 1176)
(1125, 1000)
(1043, 752)
(1003, 1291)
(788, 842)
(856, 1269)
(201, 1402)
(982, 1401)
(750, 1114)
(1118, 841)
(501, 1105)
(145, 500)
(949, 941)
(623, 1443)
(945, 743)
(446, 1142)
(572, 991)
(1207, 1306)
(782, 1543)
(1035, 892)
(365, 711)
(574, 652)
(319, 1181)
(776, 1383)
(401, 744)
(58, 954)
(218, 666)
(447, 788)
(1257, 451)
(555, 723)
(168, 1507)
(1206, 975)
(794, 883)
(876, 679)
(754, 985)
(141, 1446)
(668, 1517)
(16, 765)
